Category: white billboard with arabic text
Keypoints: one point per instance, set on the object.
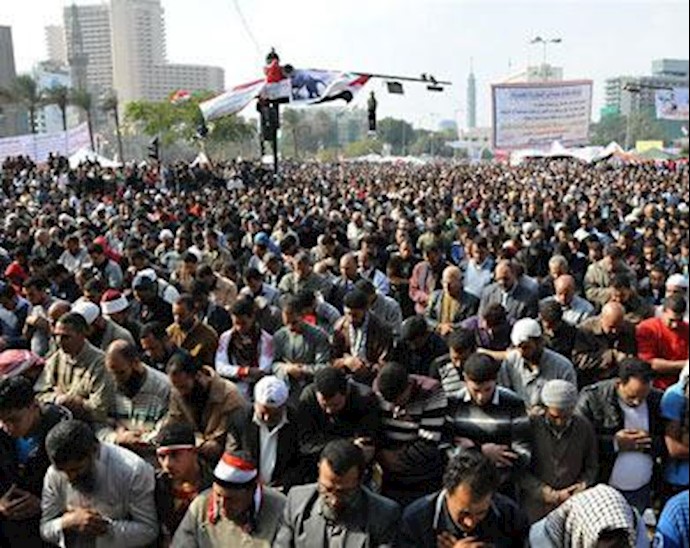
(529, 115)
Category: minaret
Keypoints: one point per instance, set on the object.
(471, 98)
(78, 61)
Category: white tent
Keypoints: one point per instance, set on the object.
(86, 155)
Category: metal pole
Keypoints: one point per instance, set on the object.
(119, 135)
(274, 140)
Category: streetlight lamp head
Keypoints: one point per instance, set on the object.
(537, 40)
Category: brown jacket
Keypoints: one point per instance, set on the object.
(378, 346)
(224, 399)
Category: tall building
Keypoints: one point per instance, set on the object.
(665, 73)
(471, 99)
(12, 116)
(87, 33)
(138, 39)
(56, 45)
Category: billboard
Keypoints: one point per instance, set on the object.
(39, 145)
(536, 114)
(672, 104)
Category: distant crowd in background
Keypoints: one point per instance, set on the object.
(444, 356)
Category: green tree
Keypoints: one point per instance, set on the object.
(291, 125)
(110, 105)
(60, 97)
(363, 148)
(83, 100)
(397, 133)
(25, 91)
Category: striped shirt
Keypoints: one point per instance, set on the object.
(416, 428)
(451, 379)
(143, 411)
(503, 421)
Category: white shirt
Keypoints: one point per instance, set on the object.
(268, 443)
(632, 469)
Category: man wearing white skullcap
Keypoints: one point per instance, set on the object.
(268, 432)
(529, 365)
(102, 330)
(564, 452)
(236, 511)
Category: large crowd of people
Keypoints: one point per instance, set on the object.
(448, 355)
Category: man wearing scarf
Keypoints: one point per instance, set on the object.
(235, 511)
(245, 352)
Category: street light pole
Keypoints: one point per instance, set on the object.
(544, 43)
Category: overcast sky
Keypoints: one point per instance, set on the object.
(600, 39)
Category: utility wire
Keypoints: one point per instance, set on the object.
(247, 29)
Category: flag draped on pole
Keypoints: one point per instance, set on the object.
(180, 96)
(231, 101)
(299, 87)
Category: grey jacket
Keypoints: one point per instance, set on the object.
(303, 526)
(520, 302)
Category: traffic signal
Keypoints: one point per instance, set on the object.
(153, 150)
(270, 119)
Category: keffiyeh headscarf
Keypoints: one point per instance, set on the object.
(579, 521)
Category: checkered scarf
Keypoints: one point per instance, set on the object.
(579, 521)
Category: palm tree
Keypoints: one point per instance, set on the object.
(82, 99)
(59, 96)
(110, 104)
(25, 91)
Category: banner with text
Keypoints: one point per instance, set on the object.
(39, 145)
(536, 115)
(672, 104)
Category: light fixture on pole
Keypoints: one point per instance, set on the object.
(545, 42)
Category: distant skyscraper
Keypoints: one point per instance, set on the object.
(56, 45)
(123, 42)
(87, 33)
(471, 99)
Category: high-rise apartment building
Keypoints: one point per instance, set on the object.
(12, 116)
(56, 45)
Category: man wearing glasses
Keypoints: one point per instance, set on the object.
(338, 510)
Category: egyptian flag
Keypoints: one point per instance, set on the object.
(180, 96)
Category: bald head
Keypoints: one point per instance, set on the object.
(122, 360)
(452, 280)
(348, 266)
(564, 287)
(611, 317)
(505, 274)
(57, 310)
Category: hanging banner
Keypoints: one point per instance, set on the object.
(231, 101)
(38, 146)
(536, 115)
(672, 104)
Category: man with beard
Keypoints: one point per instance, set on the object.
(245, 352)
(156, 344)
(152, 307)
(95, 494)
(564, 452)
(338, 510)
(236, 511)
(529, 365)
(141, 399)
(181, 478)
(102, 331)
(24, 424)
(188, 332)
(203, 399)
(361, 341)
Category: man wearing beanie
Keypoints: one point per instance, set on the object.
(181, 477)
(268, 432)
(564, 452)
(236, 511)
